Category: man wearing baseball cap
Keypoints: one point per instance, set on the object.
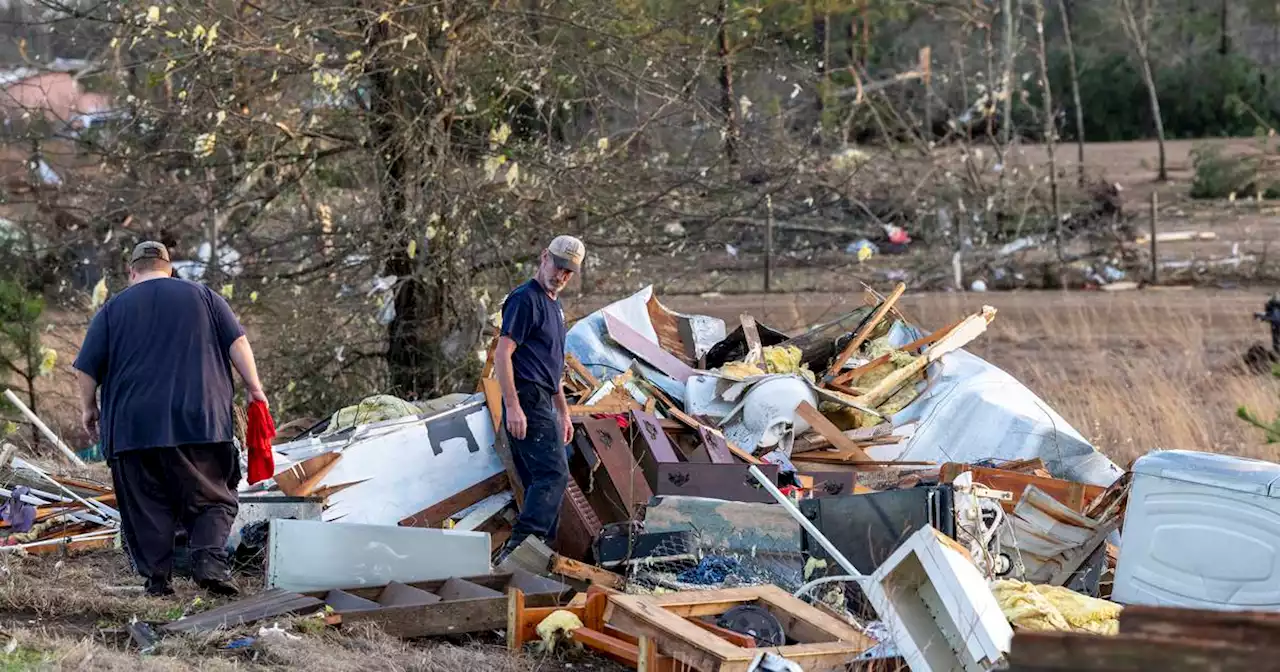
(161, 351)
(529, 361)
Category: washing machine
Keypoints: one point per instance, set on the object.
(1201, 530)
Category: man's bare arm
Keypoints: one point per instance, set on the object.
(516, 421)
(87, 389)
(242, 360)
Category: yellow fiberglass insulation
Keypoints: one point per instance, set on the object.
(740, 370)
(778, 359)
(1046, 608)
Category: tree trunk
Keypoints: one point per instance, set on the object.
(1224, 40)
(1075, 90)
(1149, 79)
(410, 353)
(1006, 74)
(822, 52)
(726, 83)
(1049, 126)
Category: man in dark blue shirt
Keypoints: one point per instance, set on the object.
(529, 361)
(162, 351)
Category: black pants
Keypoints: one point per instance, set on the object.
(542, 465)
(159, 488)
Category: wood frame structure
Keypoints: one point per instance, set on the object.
(662, 624)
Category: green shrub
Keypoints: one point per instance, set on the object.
(1219, 175)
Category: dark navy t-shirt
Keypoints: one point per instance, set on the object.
(159, 350)
(535, 322)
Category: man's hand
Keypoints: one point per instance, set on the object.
(89, 421)
(566, 430)
(517, 424)
(257, 394)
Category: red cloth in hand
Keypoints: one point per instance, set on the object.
(258, 434)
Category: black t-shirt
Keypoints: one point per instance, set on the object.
(160, 351)
(535, 322)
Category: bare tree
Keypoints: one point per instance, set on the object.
(1074, 75)
(1050, 130)
(1135, 17)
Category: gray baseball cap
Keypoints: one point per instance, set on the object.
(567, 252)
(149, 249)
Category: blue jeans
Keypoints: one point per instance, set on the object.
(542, 464)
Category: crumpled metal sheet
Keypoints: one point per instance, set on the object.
(972, 410)
(588, 340)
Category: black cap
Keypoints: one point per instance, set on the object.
(149, 249)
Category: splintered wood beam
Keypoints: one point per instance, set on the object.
(963, 334)
(910, 348)
(577, 367)
(865, 332)
(831, 433)
(581, 571)
(755, 352)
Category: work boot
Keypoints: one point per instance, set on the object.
(212, 574)
(158, 587)
(219, 588)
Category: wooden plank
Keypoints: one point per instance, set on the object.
(681, 640)
(671, 337)
(562, 566)
(301, 479)
(828, 430)
(274, 602)
(1057, 651)
(801, 619)
(576, 366)
(1242, 627)
(72, 546)
(493, 398)
(963, 334)
(645, 349)
(865, 332)
(755, 352)
(911, 348)
(437, 513)
(735, 638)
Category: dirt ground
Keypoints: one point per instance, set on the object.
(71, 613)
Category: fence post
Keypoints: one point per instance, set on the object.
(1155, 258)
(768, 244)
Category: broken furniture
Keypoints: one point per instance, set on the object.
(1072, 494)
(443, 607)
(822, 642)
(524, 624)
(671, 631)
(420, 609)
(940, 613)
(1201, 530)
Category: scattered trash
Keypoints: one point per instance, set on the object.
(862, 490)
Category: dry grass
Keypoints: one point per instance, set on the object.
(1131, 371)
(70, 614)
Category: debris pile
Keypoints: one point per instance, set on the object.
(862, 493)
